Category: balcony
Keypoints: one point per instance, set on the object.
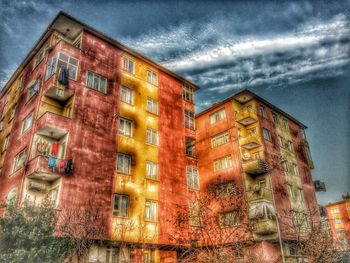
(250, 141)
(59, 93)
(53, 125)
(260, 194)
(190, 147)
(265, 227)
(255, 167)
(37, 186)
(246, 117)
(37, 168)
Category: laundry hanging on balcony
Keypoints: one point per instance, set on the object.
(60, 165)
(55, 148)
(262, 209)
(52, 162)
(63, 76)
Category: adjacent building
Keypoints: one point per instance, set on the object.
(86, 118)
(339, 222)
(248, 142)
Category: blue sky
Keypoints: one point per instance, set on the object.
(293, 53)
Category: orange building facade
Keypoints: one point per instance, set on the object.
(339, 223)
(254, 145)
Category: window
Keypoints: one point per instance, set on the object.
(121, 205)
(275, 117)
(152, 77)
(290, 146)
(128, 65)
(266, 134)
(151, 136)
(6, 142)
(152, 106)
(281, 141)
(151, 170)
(290, 191)
(217, 116)
(226, 189)
(295, 169)
(1, 125)
(285, 166)
(123, 163)
(33, 89)
(335, 211)
(126, 95)
(194, 214)
(11, 196)
(13, 111)
(125, 127)
(229, 219)
(262, 111)
(96, 82)
(189, 119)
(148, 256)
(187, 92)
(220, 139)
(151, 210)
(51, 66)
(60, 60)
(285, 123)
(19, 160)
(300, 195)
(27, 123)
(262, 183)
(338, 220)
(223, 163)
(192, 177)
(39, 57)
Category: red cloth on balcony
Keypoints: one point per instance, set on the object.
(55, 148)
(62, 163)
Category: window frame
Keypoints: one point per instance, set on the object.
(223, 223)
(99, 77)
(118, 212)
(187, 93)
(16, 159)
(30, 93)
(148, 214)
(150, 77)
(6, 142)
(227, 164)
(154, 176)
(31, 116)
(127, 69)
(192, 175)
(126, 156)
(213, 117)
(217, 137)
(131, 94)
(266, 131)
(189, 119)
(124, 132)
(152, 133)
(154, 103)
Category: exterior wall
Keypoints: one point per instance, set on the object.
(339, 223)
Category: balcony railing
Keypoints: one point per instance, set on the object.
(265, 226)
(246, 116)
(255, 167)
(38, 168)
(260, 194)
(250, 141)
(59, 92)
(53, 125)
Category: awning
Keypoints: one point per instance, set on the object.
(262, 209)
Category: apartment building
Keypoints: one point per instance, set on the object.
(247, 142)
(339, 222)
(85, 117)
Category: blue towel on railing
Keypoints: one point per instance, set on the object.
(63, 76)
(52, 162)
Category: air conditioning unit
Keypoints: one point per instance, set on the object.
(256, 188)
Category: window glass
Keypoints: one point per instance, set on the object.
(27, 123)
(152, 105)
(151, 136)
(223, 163)
(189, 119)
(266, 134)
(125, 127)
(126, 94)
(151, 170)
(123, 163)
(121, 205)
(151, 210)
(217, 116)
(192, 177)
(220, 139)
(19, 160)
(96, 82)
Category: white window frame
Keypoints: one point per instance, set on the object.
(122, 199)
(129, 95)
(151, 210)
(152, 136)
(266, 134)
(187, 92)
(152, 77)
(19, 160)
(217, 116)
(151, 170)
(55, 62)
(93, 81)
(125, 127)
(189, 119)
(6, 142)
(290, 146)
(40, 56)
(220, 139)
(222, 163)
(192, 177)
(33, 89)
(262, 111)
(126, 64)
(125, 161)
(25, 125)
(229, 219)
(152, 105)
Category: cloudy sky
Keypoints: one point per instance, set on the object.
(293, 53)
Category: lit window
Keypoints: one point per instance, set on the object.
(152, 105)
(266, 134)
(192, 177)
(96, 82)
(220, 139)
(128, 65)
(187, 92)
(125, 127)
(152, 77)
(217, 116)
(148, 256)
(123, 163)
(262, 111)
(223, 163)
(229, 219)
(6, 143)
(290, 146)
(33, 89)
(151, 136)
(151, 170)
(189, 119)
(126, 94)
(151, 210)
(19, 160)
(121, 205)
(27, 123)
